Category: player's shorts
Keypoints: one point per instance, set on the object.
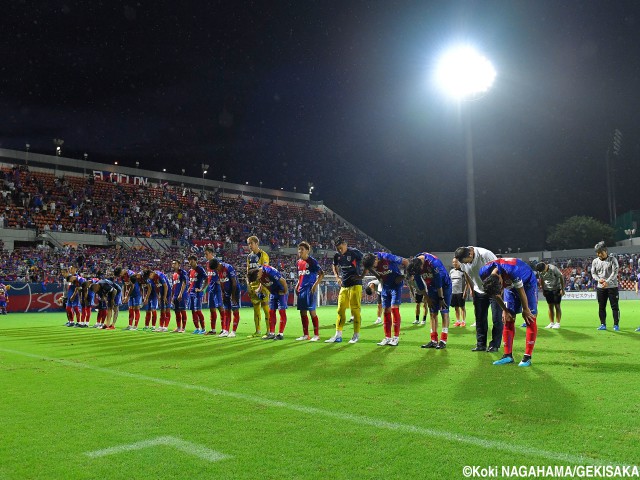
(391, 295)
(419, 298)
(179, 304)
(552, 297)
(135, 301)
(457, 300)
(512, 299)
(90, 298)
(215, 298)
(195, 301)
(152, 304)
(102, 305)
(277, 302)
(117, 299)
(307, 299)
(162, 305)
(3, 303)
(228, 303)
(76, 302)
(433, 295)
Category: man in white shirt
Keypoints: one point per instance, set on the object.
(472, 259)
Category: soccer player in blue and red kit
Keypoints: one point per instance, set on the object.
(75, 298)
(386, 268)
(179, 293)
(433, 281)
(214, 292)
(197, 276)
(159, 279)
(309, 277)
(150, 303)
(271, 279)
(132, 294)
(230, 296)
(511, 274)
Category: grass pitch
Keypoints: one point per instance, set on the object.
(164, 403)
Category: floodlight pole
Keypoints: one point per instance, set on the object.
(471, 189)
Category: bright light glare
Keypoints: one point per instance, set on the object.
(462, 72)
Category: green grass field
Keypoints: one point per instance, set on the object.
(164, 403)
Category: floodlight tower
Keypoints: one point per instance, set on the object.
(464, 74)
(204, 167)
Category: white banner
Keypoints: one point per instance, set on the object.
(579, 296)
(119, 178)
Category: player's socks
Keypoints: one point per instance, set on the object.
(147, 319)
(272, 321)
(76, 313)
(213, 316)
(507, 337)
(395, 313)
(236, 319)
(227, 321)
(316, 324)
(532, 333)
(434, 336)
(283, 321)
(424, 318)
(445, 335)
(130, 316)
(305, 324)
(154, 318)
(136, 316)
(184, 319)
(69, 314)
(203, 327)
(387, 324)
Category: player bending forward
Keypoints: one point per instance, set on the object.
(509, 274)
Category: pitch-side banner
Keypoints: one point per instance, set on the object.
(579, 296)
(40, 297)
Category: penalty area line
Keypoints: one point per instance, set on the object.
(526, 451)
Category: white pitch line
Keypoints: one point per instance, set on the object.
(186, 447)
(526, 451)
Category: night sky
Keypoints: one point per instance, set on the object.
(340, 94)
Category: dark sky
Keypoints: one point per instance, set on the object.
(340, 94)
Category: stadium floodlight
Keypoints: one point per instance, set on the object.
(631, 232)
(137, 164)
(463, 73)
(26, 157)
(204, 167)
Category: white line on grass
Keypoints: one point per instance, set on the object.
(186, 447)
(526, 451)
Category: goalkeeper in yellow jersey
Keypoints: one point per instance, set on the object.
(257, 258)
